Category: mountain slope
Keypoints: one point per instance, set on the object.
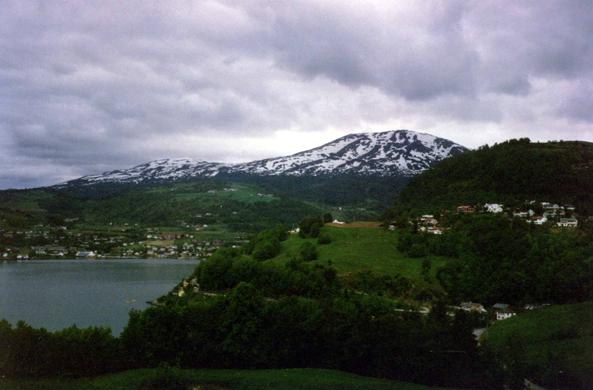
(388, 153)
(509, 173)
(392, 153)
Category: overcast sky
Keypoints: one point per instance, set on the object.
(90, 86)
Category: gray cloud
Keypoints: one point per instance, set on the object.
(87, 87)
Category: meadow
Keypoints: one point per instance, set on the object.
(363, 248)
(164, 378)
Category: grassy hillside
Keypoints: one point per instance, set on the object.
(20, 208)
(229, 205)
(314, 379)
(556, 344)
(361, 249)
(508, 173)
(341, 190)
(239, 207)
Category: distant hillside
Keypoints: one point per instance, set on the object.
(238, 207)
(509, 173)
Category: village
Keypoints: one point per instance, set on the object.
(537, 213)
(59, 243)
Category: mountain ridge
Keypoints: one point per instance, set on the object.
(390, 153)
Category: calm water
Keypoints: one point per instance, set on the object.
(55, 294)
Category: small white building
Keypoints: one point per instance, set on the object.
(504, 314)
(493, 207)
(568, 222)
(435, 230)
(538, 220)
(472, 306)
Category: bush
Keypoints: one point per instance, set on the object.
(324, 239)
(417, 250)
(308, 251)
(315, 230)
(307, 223)
(266, 249)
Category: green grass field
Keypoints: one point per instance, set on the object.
(312, 379)
(564, 333)
(361, 249)
(243, 194)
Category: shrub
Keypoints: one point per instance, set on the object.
(315, 230)
(417, 250)
(308, 251)
(324, 239)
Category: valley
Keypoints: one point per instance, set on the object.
(334, 271)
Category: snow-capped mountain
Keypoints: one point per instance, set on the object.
(390, 153)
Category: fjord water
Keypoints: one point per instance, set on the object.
(54, 294)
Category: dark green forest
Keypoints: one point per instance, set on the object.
(509, 173)
(497, 259)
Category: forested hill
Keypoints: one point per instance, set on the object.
(510, 173)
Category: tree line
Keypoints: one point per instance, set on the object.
(497, 259)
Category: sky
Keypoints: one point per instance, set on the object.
(91, 86)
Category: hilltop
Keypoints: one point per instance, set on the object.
(510, 173)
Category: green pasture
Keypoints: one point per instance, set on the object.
(361, 249)
(304, 378)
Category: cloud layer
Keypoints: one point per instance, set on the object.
(92, 86)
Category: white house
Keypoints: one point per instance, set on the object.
(504, 314)
(568, 222)
(493, 207)
(538, 220)
(435, 230)
(472, 306)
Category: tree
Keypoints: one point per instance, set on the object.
(307, 222)
(426, 269)
(266, 249)
(327, 218)
(324, 239)
(308, 251)
(417, 250)
(315, 230)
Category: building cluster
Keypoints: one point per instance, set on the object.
(49, 243)
(499, 311)
(561, 215)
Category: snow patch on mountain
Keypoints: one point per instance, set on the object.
(390, 153)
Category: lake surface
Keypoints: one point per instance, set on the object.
(54, 294)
